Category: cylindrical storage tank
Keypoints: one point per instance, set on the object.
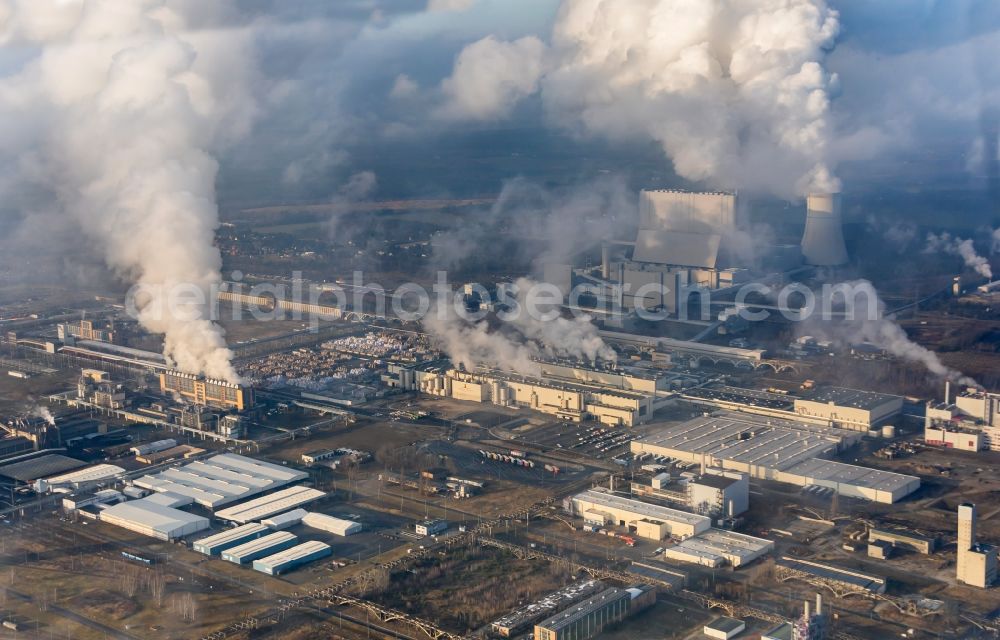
(495, 392)
(888, 431)
(504, 396)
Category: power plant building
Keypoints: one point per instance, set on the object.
(201, 391)
(650, 521)
(773, 449)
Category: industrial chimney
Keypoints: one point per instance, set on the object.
(823, 240)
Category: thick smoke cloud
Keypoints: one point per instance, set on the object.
(491, 77)
(120, 106)
(530, 329)
(734, 90)
(866, 321)
(595, 210)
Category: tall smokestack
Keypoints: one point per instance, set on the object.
(823, 240)
(605, 261)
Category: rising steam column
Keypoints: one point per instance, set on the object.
(823, 240)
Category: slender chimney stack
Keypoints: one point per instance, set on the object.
(823, 240)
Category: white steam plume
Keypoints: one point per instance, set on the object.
(127, 100)
(561, 337)
(735, 91)
(523, 337)
(43, 412)
(868, 323)
(490, 77)
(945, 243)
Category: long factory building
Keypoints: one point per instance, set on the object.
(775, 449)
(836, 407)
(215, 544)
(270, 505)
(570, 392)
(289, 559)
(260, 548)
(650, 521)
(718, 547)
(222, 479)
(590, 617)
(150, 517)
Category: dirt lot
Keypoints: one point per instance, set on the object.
(470, 586)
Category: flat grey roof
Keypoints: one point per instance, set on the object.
(866, 477)
(725, 624)
(844, 397)
(232, 534)
(221, 479)
(747, 438)
(641, 508)
(574, 613)
(40, 467)
(830, 572)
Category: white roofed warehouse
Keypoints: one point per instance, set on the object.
(649, 520)
(260, 548)
(215, 544)
(154, 520)
(848, 408)
(270, 505)
(292, 558)
(222, 479)
(330, 524)
(775, 449)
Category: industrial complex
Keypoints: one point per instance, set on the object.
(364, 480)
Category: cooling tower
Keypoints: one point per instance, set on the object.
(823, 240)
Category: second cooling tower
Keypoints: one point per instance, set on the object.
(823, 240)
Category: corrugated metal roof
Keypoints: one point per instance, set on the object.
(40, 467)
(270, 505)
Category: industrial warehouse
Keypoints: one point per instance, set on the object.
(571, 393)
(221, 479)
(717, 547)
(779, 450)
(591, 616)
(260, 547)
(215, 544)
(151, 518)
(649, 520)
(270, 505)
(291, 558)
